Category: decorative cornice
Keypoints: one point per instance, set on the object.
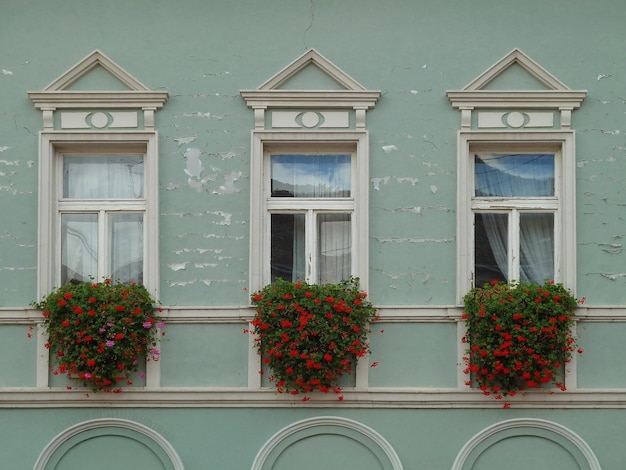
(544, 99)
(357, 99)
(377, 398)
(98, 99)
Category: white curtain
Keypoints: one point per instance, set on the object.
(103, 177)
(517, 176)
(311, 176)
(100, 177)
(335, 247)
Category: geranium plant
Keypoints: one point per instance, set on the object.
(519, 335)
(98, 332)
(310, 335)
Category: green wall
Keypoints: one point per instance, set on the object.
(203, 52)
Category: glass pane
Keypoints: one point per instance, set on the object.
(288, 260)
(126, 247)
(79, 247)
(490, 248)
(514, 175)
(311, 175)
(335, 247)
(103, 176)
(536, 247)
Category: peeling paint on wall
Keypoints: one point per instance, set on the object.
(185, 140)
(207, 115)
(377, 181)
(389, 148)
(177, 266)
(229, 184)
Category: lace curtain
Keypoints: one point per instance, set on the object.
(100, 178)
(519, 176)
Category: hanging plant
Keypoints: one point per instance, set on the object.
(310, 335)
(98, 332)
(519, 335)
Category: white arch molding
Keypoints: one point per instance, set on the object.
(54, 445)
(324, 421)
(520, 423)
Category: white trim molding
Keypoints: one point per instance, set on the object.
(582, 453)
(555, 95)
(349, 93)
(105, 427)
(57, 95)
(295, 432)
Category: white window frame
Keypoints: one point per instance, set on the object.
(262, 205)
(563, 205)
(53, 146)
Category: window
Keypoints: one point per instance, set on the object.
(514, 205)
(516, 217)
(310, 209)
(98, 208)
(309, 203)
(98, 179)
(309, 175)
(101, 212)
(516, 196)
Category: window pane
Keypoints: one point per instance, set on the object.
(536, 247)
(490, 248)
(311, 175)
(126, 247)
(335, 247)
(288, 259)
(103, 176)
(79, 247)
(514, 175)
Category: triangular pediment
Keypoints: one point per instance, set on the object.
(307, 64)
(516, 81)
(311, 80)
(95, 65)
(516, 61)
(97, 82)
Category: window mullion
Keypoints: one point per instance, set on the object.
(514, 245)
(103, 242)
(311, 244)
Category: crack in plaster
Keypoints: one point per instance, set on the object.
(312, 19)
(412, 240)
(611, 276)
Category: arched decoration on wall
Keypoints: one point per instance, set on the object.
(301, 436)
(120, 434)
(572, 446)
